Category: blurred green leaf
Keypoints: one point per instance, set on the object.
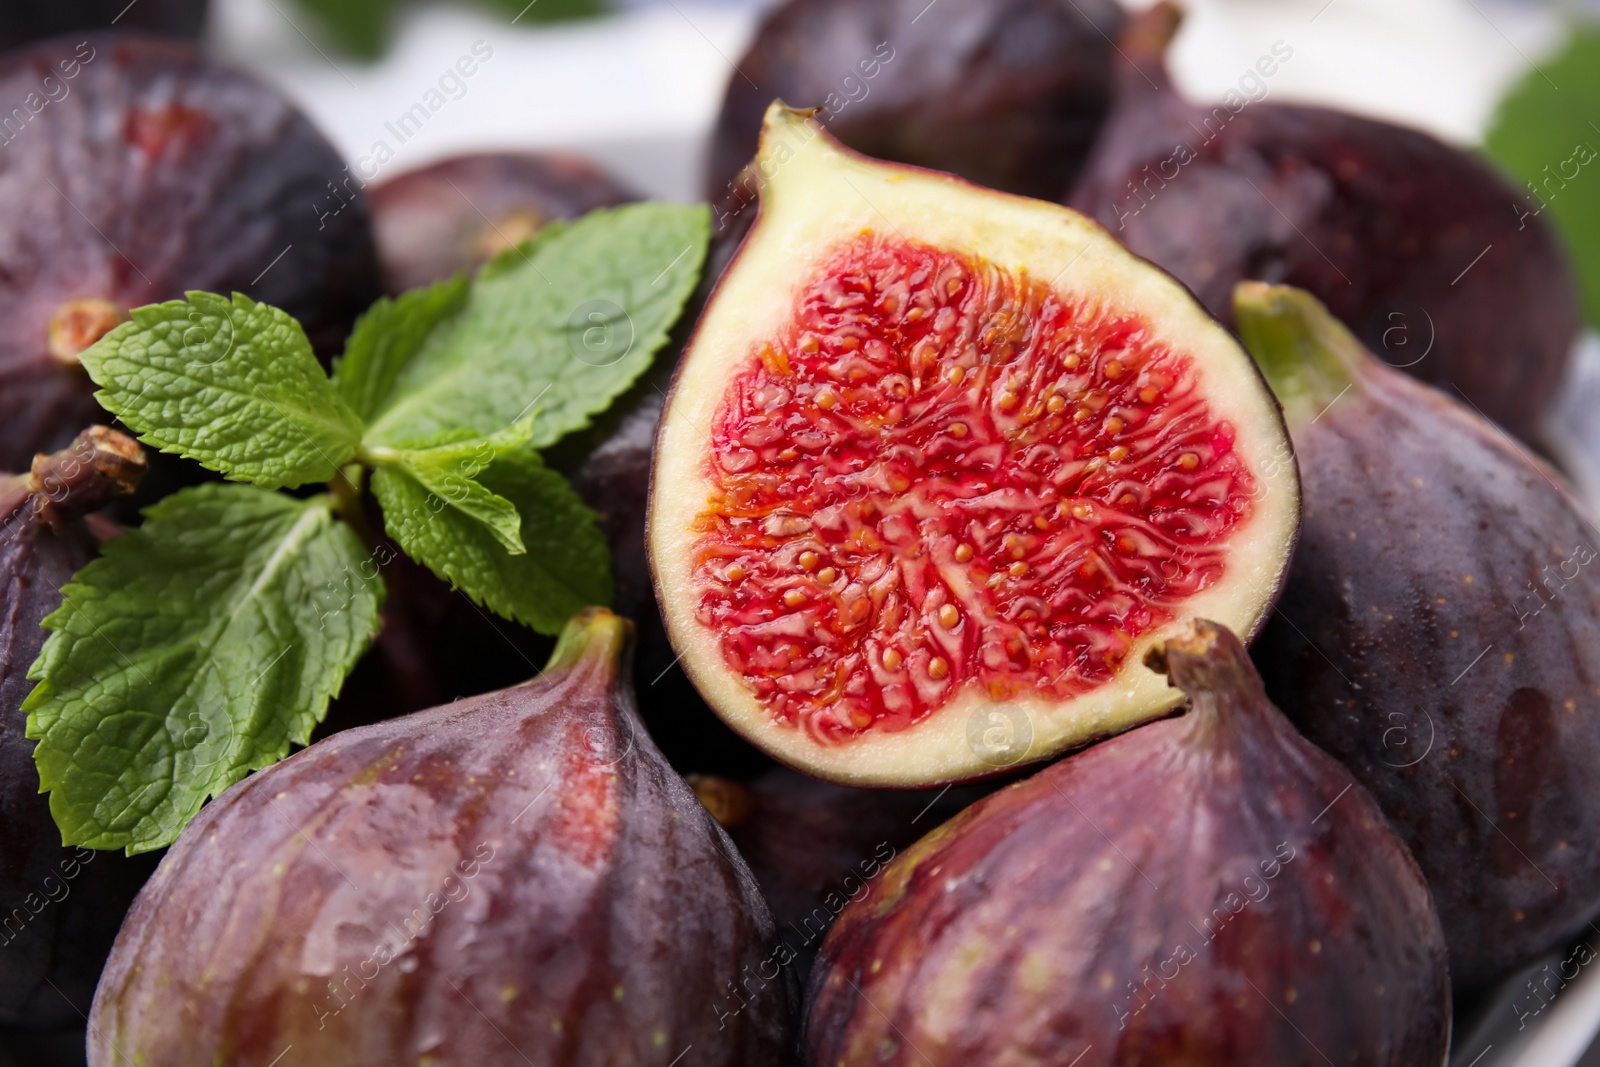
(359, 27)
(1547, 132)
(545, 10)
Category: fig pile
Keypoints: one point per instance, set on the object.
(1211, 889)
(518, 877)
(1439, 633)
(59, 907)
(1418, 247)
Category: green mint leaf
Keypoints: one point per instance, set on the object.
(566, 566)
(360, 27)
(567, 326)
(449, 470)
(387, 336)
(196, 649)
(1549, 137)
(233, 386)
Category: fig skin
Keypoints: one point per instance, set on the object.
(22, 21)
(812, 844)
(514, 878)
(169, 173)
(1440, 634)
(59, 907)
(1209, 889)
(457, 214)
(1383, 224)
(1005, 93)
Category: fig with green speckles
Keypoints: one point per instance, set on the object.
(1209, 890)
(514, 878)
(1440, 634)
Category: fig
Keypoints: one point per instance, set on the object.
(514, 878)
(1422, 249)
(31, 20)
(1209, 889)
(149, 170)
(813, 845)
(457, 214)
(59, 907)
(1005, 93)
(940, 463)
(1440, 635)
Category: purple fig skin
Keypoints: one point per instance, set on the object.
(812, 844)
(455, 215)
(157, 171)
(22, 21)
(59, 907)
(1206, 890)
(1005, 93)
(515, 878)
(1383, 224)
(1439, 634)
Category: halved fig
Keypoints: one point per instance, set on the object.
(940, 464)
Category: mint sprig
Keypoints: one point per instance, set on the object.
(196, 649)
(205, 643)
(232, 385)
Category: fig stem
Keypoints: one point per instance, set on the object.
(1308, 357)
(1208, 662)
(99, 464)
(594, 636)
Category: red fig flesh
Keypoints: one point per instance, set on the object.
(1210, 889)
(937, 453)
(1420, 248)
(514, 878)
(1440, 635)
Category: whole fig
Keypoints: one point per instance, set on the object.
(1005, 93)
(515, 878)
(1440, 634)
(455, 215)
(1422, 249)
(148, 170)
(1205, 890)
(59, 907)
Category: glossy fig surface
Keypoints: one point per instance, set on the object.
(1440, 634)
(59, 907)
(1205, 890)
(1422, 249)
(457, 214)
(149, 170)
(1005, 93)
(514, 878)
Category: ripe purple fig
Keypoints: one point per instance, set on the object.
(457, 214)
(59, 907)
(1422, 249)
(1005, 93)
(514, 878)
(1207, 890)
(1440, 634)
(149, 170)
